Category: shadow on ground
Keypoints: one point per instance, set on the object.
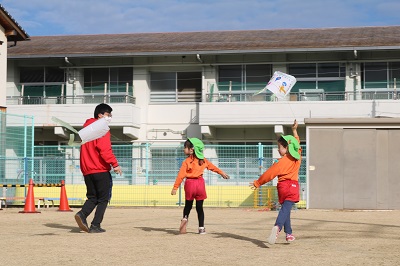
(73, 229)
(149, 229)
(257, 242)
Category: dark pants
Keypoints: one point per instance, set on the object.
(283, 219)
(199, 209)
(98, 192)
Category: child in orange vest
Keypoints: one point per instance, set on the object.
(287, 171)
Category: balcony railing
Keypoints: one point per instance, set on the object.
(221, 96)
(303, 95)
(79, 99)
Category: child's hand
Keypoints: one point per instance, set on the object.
(173, 191)
(225, 176)
(294, 126)
(252, 186)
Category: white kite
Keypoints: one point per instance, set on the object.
(280, 84)
(91, 132)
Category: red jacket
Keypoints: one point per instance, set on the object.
(97, 155)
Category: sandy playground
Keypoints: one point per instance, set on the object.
(235, 236)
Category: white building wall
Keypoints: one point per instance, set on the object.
(273, 113)
(209, 78)
(279, 67)
(75, 83)
(3, 67)
(172, 121)
(141, 92)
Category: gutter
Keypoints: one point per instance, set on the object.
(207, 52)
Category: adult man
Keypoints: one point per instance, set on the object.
(96, 160)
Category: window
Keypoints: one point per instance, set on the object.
(381, 75)
(41, 82)
(175, 86)
(230, 77)
(115, 78)
(375, 75)
(257, 76)
(394, 74)
(331, 70)
(31, 75)
(119, 77)
(244, 77)
(329, 77)
(303, 70)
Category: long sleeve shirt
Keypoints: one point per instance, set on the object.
(287, 168)
(191, 169)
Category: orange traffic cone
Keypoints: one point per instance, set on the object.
(64, 206)
(30, 200)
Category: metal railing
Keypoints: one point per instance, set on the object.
(305, 95)
(194, 96)
(220, 96)
(79, 99)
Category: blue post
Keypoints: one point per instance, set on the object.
(25, 170)
(260, 156)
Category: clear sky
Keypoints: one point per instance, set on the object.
(66, 17)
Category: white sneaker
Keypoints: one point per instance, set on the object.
(202, 231)
(274, 235)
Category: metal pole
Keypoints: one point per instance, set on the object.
(230, 91)
(22, 94)
(126, 92)
(62, 93)
(105, 93)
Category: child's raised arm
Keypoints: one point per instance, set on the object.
(294, 129)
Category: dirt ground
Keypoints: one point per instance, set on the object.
(149, 236)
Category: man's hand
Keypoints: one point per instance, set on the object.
(118, 170)
(173, 191)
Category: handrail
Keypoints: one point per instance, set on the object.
(219, 96)
(78, 99)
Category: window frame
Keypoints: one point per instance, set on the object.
(175, 82)
(315, 77)
(240, 81)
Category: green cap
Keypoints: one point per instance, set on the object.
(293, 145)
(198, 147)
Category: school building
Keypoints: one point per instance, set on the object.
(166, 87)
